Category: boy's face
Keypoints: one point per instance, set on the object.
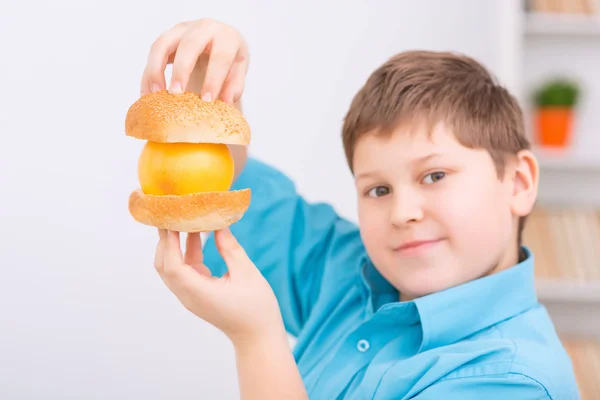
(433, 213)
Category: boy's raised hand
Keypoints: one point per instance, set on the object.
(184, 44)
(241, 303)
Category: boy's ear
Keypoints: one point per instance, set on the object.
(525, 179)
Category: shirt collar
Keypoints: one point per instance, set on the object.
(458, 312)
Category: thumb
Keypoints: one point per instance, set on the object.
(232, 252)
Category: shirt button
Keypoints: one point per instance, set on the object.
(363, 345)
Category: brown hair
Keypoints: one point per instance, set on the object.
(431, 87)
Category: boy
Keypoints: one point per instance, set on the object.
(432, 296)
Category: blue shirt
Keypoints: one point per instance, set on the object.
(486, 339)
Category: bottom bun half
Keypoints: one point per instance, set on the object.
(198, 212)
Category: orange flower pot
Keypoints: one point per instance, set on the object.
(554, 126)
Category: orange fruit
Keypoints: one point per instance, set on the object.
(185, 168)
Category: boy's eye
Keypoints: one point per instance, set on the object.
(434, 177)
(379, 191)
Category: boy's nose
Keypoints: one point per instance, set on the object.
(406, 209)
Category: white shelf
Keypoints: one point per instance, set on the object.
(546, 24)
(568, 160)
(568, 291)
(569, 177)
(574, 307)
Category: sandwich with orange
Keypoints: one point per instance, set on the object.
(186, 169)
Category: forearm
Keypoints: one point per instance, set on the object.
(267, 369)
(239, 153)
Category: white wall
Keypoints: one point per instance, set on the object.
(82, 312)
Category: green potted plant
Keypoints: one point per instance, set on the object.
(555, 103)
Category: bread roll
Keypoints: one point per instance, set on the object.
(199, 212)
(165, 117)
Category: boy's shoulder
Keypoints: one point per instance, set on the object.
(524, 348)
(538, 352)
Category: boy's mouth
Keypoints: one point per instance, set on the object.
(416, 246)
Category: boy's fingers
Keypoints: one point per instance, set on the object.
(173, 258)
(177, 273)
(192, 44)
(232, 252)
(160, 52)
(193, 254)
(222, 56)
(193, 248)
(235, 82)
(159, 255)
(188, 285)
